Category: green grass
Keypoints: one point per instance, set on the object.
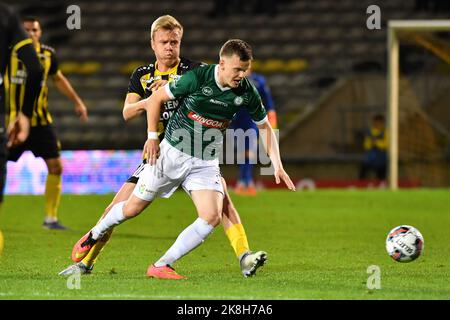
(320, 245)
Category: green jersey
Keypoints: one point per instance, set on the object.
(206, 110)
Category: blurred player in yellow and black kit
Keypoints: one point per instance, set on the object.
(166, 34)
(15, 42)
(42, 140)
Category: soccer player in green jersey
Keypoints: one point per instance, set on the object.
(166, 34)
(186, 156)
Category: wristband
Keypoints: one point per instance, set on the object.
(152, 135)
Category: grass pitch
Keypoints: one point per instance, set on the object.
(320, 245)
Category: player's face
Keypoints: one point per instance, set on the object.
(33, 29)
(166, 45)
(232, 70)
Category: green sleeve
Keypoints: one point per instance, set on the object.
(183, 86)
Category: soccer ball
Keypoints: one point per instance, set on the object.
(404, 243)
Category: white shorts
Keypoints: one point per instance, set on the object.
(173, 168)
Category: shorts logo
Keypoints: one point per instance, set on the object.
(238, 101)
(207, 91)
(143, 190)
(210, 123)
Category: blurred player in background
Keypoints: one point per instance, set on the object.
(165, 37)
(174, 162)
(42, 140)
(375, 146)
(14, 42)
(242, 120)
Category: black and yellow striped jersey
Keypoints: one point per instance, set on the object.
(144, 76)
(14, 39)
(15, 86)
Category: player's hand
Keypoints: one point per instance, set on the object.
(158, 84)
(280, 174)
(151, 150)
(81, 111)
(18, 130)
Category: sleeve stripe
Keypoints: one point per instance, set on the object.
(22, 43)
(169, 93)
(258, 123)
(135, 94)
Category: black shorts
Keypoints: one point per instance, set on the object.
(135, 176)
(42, 141)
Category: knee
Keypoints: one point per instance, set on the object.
(224, 185)
(130, 211)
(55, 168)
(133, 207)
(214, 219)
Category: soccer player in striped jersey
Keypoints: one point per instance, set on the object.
(166, 34)
(42, 140)
(15, 42)
(211, 96)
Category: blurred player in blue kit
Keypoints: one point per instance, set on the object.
(246, 184)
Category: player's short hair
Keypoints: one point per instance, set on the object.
(165, 22)
(30, 19)
(238, 47)
(378, 117)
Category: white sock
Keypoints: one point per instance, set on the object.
(188, 240)
(113, 218)
(49, 219)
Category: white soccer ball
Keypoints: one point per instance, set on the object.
(404, 243)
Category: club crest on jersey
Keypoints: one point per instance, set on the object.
(238, 101)
(207, 91)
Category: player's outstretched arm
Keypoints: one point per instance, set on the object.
(134, 106)
(270, 143)
(153, 108)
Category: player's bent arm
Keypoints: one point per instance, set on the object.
(27, 54)
(153, 108)
(272, 115)
(133, 106)
(270, 144)
(18, 130)
(63, 85)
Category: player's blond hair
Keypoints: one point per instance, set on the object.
(165, 22)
